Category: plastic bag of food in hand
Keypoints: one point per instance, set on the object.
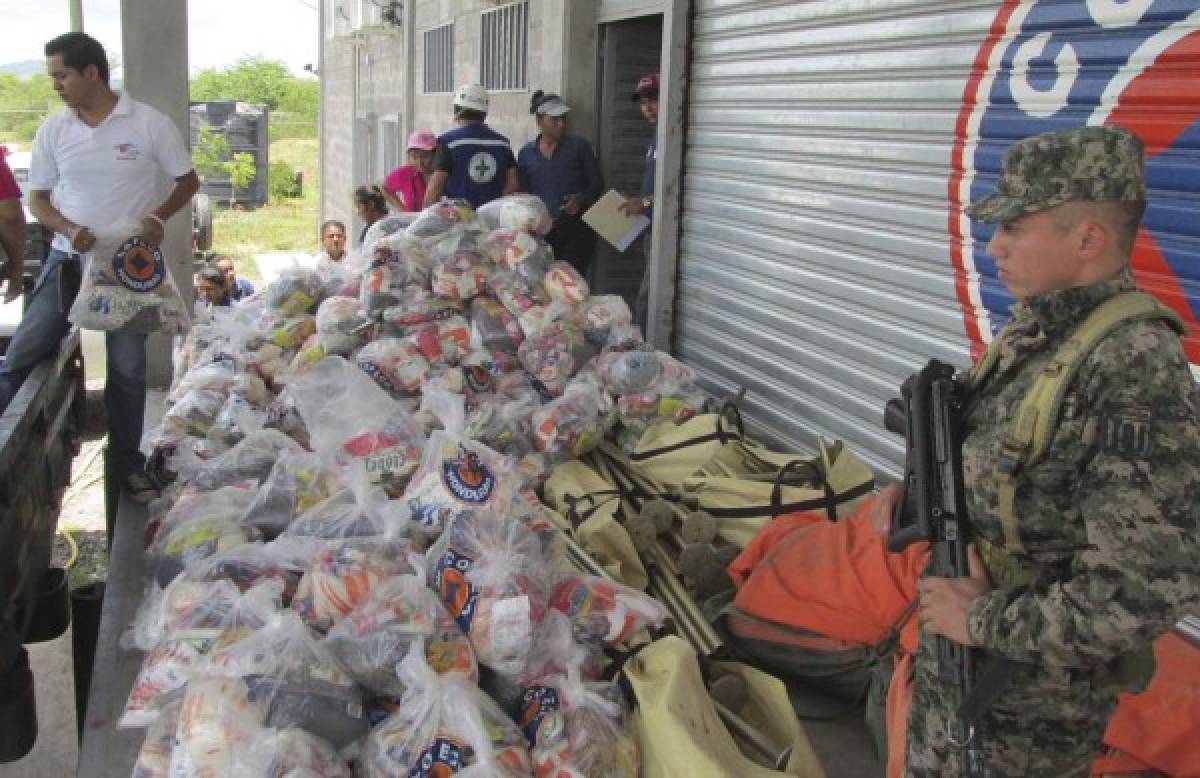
(493, 328)
(194, 413)
(343, 573)
(288, 753)
(490, 574)
(564, 284)
(461, 276)
(292, 680)
(417, 307)
(298, 480)
(373, 638)
(443, 726)
(127, 286)
(553, 355)
(578, 728)
(603, 611)
(351, 419)
(225, 615)
(297, 291)
(342, 325)
(517, 212)
(457, 476)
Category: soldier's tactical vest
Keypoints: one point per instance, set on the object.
(1029, 436)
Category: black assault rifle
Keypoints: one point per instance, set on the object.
(932, 508)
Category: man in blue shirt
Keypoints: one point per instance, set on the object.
(239, 288)
(563, 171)
(473, 162)
(646, 96)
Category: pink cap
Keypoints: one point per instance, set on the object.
(422, 139)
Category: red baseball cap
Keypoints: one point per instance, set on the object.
(647, 86)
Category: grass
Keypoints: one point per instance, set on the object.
(287, 226)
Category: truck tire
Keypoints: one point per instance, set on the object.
(201, 222)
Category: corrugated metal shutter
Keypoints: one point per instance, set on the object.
(816, 263)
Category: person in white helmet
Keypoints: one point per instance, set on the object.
(472, 162)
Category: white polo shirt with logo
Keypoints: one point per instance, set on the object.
(115, 172)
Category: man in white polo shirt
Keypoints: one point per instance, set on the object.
(105, 158)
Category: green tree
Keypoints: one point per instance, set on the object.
(24, 105)
(241, 171)
(213, 160)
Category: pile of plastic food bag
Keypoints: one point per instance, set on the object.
(351, 571)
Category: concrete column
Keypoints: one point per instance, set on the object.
(154, 37)
(76, 15)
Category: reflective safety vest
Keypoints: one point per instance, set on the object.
(479, 160)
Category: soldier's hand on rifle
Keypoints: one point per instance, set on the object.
(885, 505)
(945, 601)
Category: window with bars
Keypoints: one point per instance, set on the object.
(439, 59)
(504, 44)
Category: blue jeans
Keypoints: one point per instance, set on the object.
(39, 336)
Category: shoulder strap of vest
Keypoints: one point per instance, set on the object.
(1037, 416)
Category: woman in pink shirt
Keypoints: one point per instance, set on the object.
(404, 187)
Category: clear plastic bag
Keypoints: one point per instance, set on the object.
(578, 728)
(373, 638)
(193, 414)
(490, 575)
(603, 611)
(178, 544)
(442, 218)
(443, 727)
(461, 276)
(291, 333)
(503, 426)
(296, 291)
(127, 286)
(342, 325)
(396, 263)
(553, 355)
(631, 372)
(225, 616)
(575, 423)
(457, 476)
(250, 460)
(512, 248)
(600, 315)
(351, 419)
(341, 574)
(493, 328)
(525, 300)
(298, 480)
(415, 308)
(216, 376)
(154, 757)
(288, 753)
(396, 365)
(518, 212)
(564, 284)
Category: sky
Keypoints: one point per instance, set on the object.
(220, 31)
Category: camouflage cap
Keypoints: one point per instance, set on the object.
(1089, 163)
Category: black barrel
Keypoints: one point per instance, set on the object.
(52, 607)
(18, 709)
(86, 603)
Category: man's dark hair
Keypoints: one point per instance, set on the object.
(370, 195)
(212, 274)
(467, 115)
(332, 223)
(78, 50)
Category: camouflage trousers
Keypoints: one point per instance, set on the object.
(1048, 722)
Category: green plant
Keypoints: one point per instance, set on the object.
(241, 171)
(281, 181)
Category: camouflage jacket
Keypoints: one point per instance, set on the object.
(1109, 516)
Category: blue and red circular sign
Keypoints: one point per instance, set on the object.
(1050, 65)
(138, 265)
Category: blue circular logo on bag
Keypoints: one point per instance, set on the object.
(468, 478)
(138, 265)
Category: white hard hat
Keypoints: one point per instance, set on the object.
(472, 97)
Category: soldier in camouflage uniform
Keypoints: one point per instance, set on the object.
(1107, 555)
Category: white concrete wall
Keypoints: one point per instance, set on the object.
(561, 58)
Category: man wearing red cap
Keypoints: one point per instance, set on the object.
(645, 94)
(404, 187)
